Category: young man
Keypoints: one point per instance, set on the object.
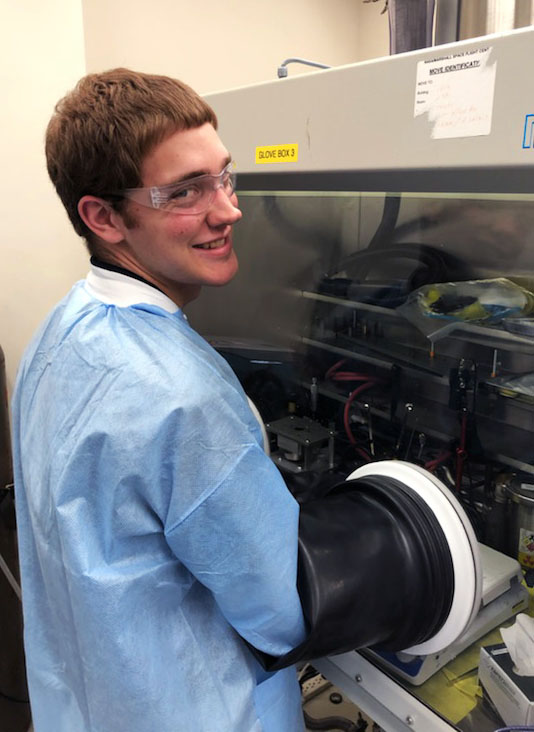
(155, 535)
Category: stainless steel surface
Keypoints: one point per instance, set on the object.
(391, 708)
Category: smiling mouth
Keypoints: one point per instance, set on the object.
(211, 244)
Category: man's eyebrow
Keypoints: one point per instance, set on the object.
(198, 173)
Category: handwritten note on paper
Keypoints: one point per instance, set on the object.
(456, 92)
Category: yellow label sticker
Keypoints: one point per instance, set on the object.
(277, 153)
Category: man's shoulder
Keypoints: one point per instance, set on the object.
(121, 347)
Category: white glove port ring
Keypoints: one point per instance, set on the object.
(462, 544)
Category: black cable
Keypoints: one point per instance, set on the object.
(423, 256)
(388, 222)
(327, 723)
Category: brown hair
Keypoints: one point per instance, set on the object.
(103, 129)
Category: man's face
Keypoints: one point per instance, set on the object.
(171, 249)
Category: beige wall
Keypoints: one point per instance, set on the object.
(41, 56)
(211, 44)
(219, 44)
(373, 31)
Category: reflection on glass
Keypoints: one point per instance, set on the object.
(401, 324)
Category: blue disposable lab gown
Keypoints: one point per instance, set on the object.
(153, 529)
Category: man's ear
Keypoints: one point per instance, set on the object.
(100, 217)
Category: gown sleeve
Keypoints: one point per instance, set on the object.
(241, 542)
(227, 513)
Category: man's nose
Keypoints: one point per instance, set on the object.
(224, 209)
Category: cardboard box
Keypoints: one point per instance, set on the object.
(512, 695)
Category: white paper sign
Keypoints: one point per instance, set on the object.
(456, 92)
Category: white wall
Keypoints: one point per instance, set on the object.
(41, 57)
(219, 44)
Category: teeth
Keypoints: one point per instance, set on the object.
(211, 244)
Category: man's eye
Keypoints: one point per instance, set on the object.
(183, 193)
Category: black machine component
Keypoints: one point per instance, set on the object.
(377, 567)
(388, 515)
(300, 443)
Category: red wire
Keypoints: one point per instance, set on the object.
(368, 382)
(433, 464)
(365, 455)
(461, 454)
(352, 396)
(350, 376)
(336, 375)
(334, 368)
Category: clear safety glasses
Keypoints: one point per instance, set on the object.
(192, 196)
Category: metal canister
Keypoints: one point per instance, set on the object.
(521, 523)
